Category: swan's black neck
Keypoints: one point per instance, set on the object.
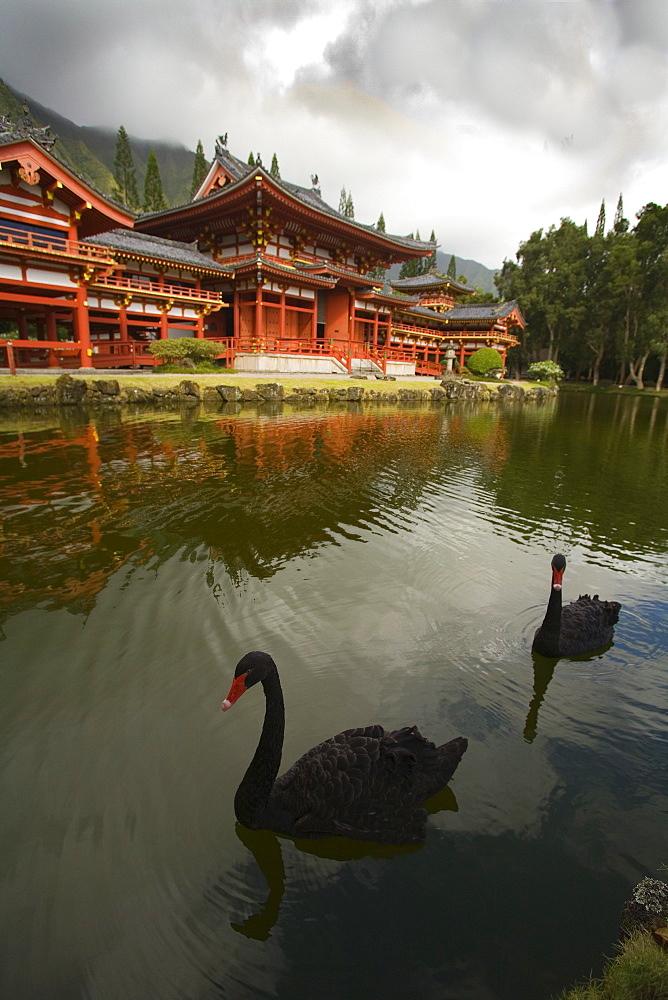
(254, 791)
(549, 634)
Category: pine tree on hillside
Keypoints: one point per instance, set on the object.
(620, 225)
(600, 222)
(200, 169)
(154, 198)
(251, 159)
(273, 170)
(125, 175)
(452, 268)
(380, 225)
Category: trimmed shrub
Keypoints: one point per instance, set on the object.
(185, 347)
(545, 371)
(484, 360)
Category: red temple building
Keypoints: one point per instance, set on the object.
(264, 267)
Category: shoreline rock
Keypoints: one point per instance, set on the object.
(69, 391)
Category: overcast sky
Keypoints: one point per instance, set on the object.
(480, 119)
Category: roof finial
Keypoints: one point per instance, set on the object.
(26, 129)
(221, 144)
(315, 184)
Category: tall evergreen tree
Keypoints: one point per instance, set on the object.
(430, 261)
(343, 201)
(273, 170)
(600, 222)
(350, 208)
(380, 225)
(620, 225)
(200, 168)
(452, 268)
(125, 175)
(251, 159)
(154, 198)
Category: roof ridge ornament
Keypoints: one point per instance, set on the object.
(221, 144)
(315, 184)
(25, 128)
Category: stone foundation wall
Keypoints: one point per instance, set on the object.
(69, 391)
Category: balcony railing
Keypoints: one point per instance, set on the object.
(153, 289)
(13, 240)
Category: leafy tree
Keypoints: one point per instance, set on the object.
(200, 169)
(651, 233)
(452, 268)
(380, 225)
(273, 170)
(125, 175)
(154, 198)
(251, 159)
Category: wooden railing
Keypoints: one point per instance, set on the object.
(15, 239)
(155, 289)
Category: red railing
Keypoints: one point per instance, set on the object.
(155, 289)
(13, 239)
(122, 354)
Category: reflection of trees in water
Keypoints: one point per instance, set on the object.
(83, 498)
(599, 470)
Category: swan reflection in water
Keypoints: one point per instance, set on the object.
(265, 846)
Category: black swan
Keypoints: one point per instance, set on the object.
(363, 783)
(583, 626)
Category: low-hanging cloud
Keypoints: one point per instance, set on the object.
(518, 111)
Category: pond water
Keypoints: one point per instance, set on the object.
(395, 562)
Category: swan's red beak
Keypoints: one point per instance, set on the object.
(235, 692)
(557, 577)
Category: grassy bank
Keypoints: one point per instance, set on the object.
(639, 972)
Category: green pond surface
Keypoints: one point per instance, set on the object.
(395, 562)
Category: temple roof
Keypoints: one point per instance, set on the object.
(130, 243)
(430, 281)
(489, 311)
(239, 172)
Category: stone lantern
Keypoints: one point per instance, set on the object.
(450, 355)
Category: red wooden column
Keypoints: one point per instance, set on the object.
(164, 325)
(236, 331)
(123, 323)
(281, 321)
(82, 327)
(23, 326)
(375, 330)
(51, 334)
(461, 356)
(258, 312)
(314, 320)
(199, 329)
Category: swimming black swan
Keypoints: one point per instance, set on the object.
(583, 626)
(363, 783)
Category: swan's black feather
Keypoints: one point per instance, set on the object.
(365, 783)
(581, 627)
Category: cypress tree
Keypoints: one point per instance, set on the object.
(620, 225)
(452, 268)
(200, 168)
(251, 159)
(350, 208)
(273, 170)
(600, 222)
(125, 175)
(380, 225)
(343, 200)
(154, 198)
